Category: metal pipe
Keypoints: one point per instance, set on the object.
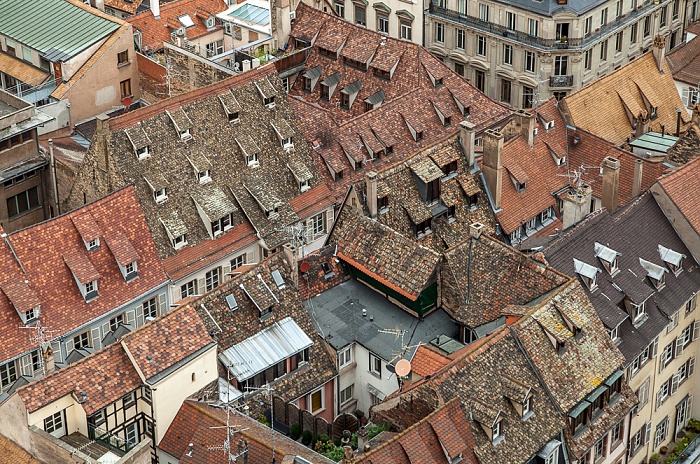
(53, 179)
(678, 122)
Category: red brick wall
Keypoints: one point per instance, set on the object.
(150, 68)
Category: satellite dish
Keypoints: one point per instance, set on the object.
(403, 368)
(126, 101)
(304, 267)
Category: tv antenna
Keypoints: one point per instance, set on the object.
(267, 388)
(296, 234)
(41, 337)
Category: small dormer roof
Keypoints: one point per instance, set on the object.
(605, 253)
(137, 136)
(229, 103)
(247, 144)
(484, 414)
(81, 267)
(267, 200)
(180, 119)
(314, 73)
(265, 88)
(173, 223)
(299, 169)
(426, 170)
(20, 294)
(585, 270)
(156, 181)
(669, 256)
(213, 201)
(654, 271)
(282, 128)
(122, 249)
(376, 97)
(518, 173)
(198, 161)
(352, 88)
(330, 81)
(514, 389)
(87, 227)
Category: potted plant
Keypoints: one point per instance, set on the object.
(654, 459)
(306, 437)
(295, 431)
(663, 450)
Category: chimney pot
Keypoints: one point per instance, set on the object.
(659, 51)
(637, 181)
(476, 229)
(526, 121)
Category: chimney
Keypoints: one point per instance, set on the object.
(475, 229)
(493, 164)
(576, 205)
(256, 62)
(372, 194)
(155, 8)
(100, 140)
(466, 136)
(526, 121)
(99, 4)
(696, 114)
(362, 435)
(637, 182)
(642, 126)
(246, 65)
(611, 180)
(659, 51)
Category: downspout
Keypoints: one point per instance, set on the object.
(53, 179)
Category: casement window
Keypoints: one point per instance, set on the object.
(129, 400)
(527, 406)
(150, 308)
(204, 176)
(375, 365)
(179, 241)
(212, 278)
(23, 202)
(98, 418)
(340, 8)
(647, 26)
(496, 432)
(90, 291)
(143, 153)
(125, 88)
(460, 38)
(481, 45)
(188, 289)
(661, 432)
(8, 374)
(663, 17)
(633, 34)
(315, 401)
(54, 423)
(160, 195)
(599, 450)
(587, 26)
(439, 33)
(690, 304)
(561, 65)
(604, 17)
(510, 21)
(480, 83)
(221, 225)
(360, 15)
(483, 12)
(405, 30)
(638, 311)
(617, 432)
(604, 50)
(346, 394)
(238, 261)
(344, 357)
(529, 64)
(132, 433)
(508, 54)
(123, 57)
(383, 24)
(667, 355)
(215, 48)
(643, 394)
(317, 225)
(618, 42)
(115, 321)
(533, 26)
(82, 340)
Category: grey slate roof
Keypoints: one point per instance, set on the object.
(636, 233)
(56, 28)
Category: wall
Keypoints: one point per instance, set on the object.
(170, 393)
(59, 110)
(387, 384)
(190, 71)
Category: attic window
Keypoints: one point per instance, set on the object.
(450, 168)
(419, 136)
(653, 114)
(204, 176)
(210, 23)
(92, 244)
(496, 432)
(160, 195)
(269, 102)
(130, 271)
(655, 273)
(356, 64)
(673, 259)
(328, 53)
(423, 228)
(179, 241)
(273, 213)
(447, 121)
(31, 315)
(438, 83)
(90, 291)
(143, 153)
(287, 143)
(383, 204)
(614, 334)
(608, 257)
(304, 185)
(638, 311)
(234, 117)
(382, 74)
(527, 407)
(588, 274)
(520, 187)
(252, 160)
(345, 101)
(221, 225)
(185, 134)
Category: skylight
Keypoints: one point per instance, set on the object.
(186, 20)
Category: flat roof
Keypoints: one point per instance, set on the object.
(337, 314)
(252, 13)
(654, 141)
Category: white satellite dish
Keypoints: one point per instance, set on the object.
(403, 368)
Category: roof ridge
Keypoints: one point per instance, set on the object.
(596, 215)
(96, 12)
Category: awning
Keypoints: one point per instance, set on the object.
(613, 378)
(268, 347)
(22, 71)
(376, 392)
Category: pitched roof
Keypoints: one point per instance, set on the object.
(50, 250)
(482, 278)
(14, 454)
(129, 6)
(427, 361)
(676, 185)
(155, 31)
(384, 254)
(686, 148)
(405, 95)
(625, 234)
(624, 92)
(685, 62)
(204, 427)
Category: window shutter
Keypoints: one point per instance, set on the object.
(201, 287)
(655, 347)
(56, 347)
(686, 94)
(95, 336)
(674, 383)
(226, 270)
(25, 365)
(130, 316)
(696, 330)
(105, 328)
(162, 301)
(658, 399)
(250, 257)
(70, 346)
(691, 366)
(329, 219)
(139, 315)
(647, 433)
(679, 347)
(689, 406)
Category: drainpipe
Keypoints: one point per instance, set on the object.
(678, 122)
(53, 179)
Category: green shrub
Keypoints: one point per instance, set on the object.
(375, 429)
(336, 454)
(295, 431)
(263, 420)
(306, 437)
(693, 426)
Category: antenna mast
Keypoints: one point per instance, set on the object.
(43, 338)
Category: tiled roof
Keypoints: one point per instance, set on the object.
(384, 254)
(686, 148)
(635, 233)
(44, 250)
(478, 373)
(151, 347)
(440, 438)
(405, 203)
(427, 361)
(481, 278)
(205, 427)
(241, 189)
(317, 280)
(13, 454)
(232, 327)
(105, 376)
(406, 94)
(129, 6)
(677, 187)
(312, 201)
(156, 31)
(600, 106)
(685, 62)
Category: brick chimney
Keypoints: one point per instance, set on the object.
(155, 8)
(526, 122)
(576, 205)
(100, 139)
(466, 137)
(611, 181)
(493, 164)
(637, 180)
(659, 51)
(371, 193)
(642, 126)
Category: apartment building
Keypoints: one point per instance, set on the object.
(521, 52)
(643, 283)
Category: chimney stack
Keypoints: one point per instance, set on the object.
(476, 229)
(526, 121)
(696, 114)
(362, 435)
(100, 140)
(637, 182)
(155, 8)
(576, 205)
(659, 51)
(642, 126)
(493, 164)
(99, 4)
(466, 136)
(611, 181)
(372, 194)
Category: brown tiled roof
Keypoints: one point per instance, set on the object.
(156, 31)
(11, 453)
(205, 427)
(129, 6)
(685, 62)
(686, 148)
(600, 106)
(478, 373)
(678, 186)
(406, 95)
(694, 28)
(42, 249)
(87, 227)
(151, 347)
(312, 201)
(481, 278)
(383, 254)
(440, 438)
(105, 376)
(20, 294)
(316, 280)
(80, 265)
(427, 361)
(121, 248)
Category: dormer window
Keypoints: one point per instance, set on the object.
(160, 195)
(90, 290)
(527, 407)
(673, 259)
(608, 257)
(252, 160)
(269, 102)
(419, 136)
(307, 85)
(520, 187)
(179, 241)
(234, 117)
(587, 273)
(383, 204)
(273, 213)
(93, 244)
(31, 315)
(638, 311)
(130, 271)
(185, 134)
(345, 101)
(325, 92)
(210, 23)
(423, 228)
(221, 225)
(655, 273)
(304, 186)
(450, 168)
(287, 143)
(496, 432)
(143, 152)
(438, 83)
(204, 177)
(614, 334)
(652, 114)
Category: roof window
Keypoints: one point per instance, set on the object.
(608, 257)
(655, 273)
(588, 274)
(673, 259)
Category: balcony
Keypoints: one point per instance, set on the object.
(546, 44)
(108, 440)
(560, 81)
